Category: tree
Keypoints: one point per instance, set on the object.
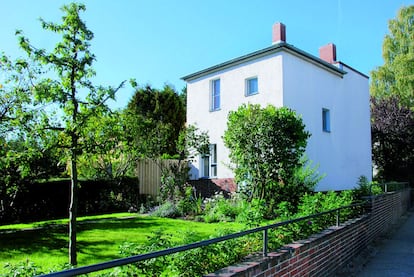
(392, 91)
(396, 76)
(163, 113)
(68, 69)
(392, 131)
(266, 146)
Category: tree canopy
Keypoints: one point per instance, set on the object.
(159, 114)
(64, 82)
(392, 101)
(396, 76)
(392, 139)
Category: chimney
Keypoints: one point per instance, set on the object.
(279, 33)
(328, 53)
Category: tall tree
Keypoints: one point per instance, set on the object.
(69, 69)
(163, 112)
(392, 91)
(396, 76)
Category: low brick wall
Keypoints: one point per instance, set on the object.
(324, 253)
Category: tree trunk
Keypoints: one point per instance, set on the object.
(73, 208)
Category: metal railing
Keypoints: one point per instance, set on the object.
(161, 253)
(394, 186)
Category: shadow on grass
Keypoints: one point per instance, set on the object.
(54, 238)
(113, 224)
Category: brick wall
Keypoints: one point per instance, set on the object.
(324, 253)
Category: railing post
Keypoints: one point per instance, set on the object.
(265, 240)
(337, 217)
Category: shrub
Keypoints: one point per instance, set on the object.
(366, 188)
(218, 208)
(22, 269)
(167, 209)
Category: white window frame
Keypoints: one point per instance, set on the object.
(213, 96)
(247, 86)
(326, 120)
(211, 160)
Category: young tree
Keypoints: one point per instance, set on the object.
(396, 76)
(69, 68)
(266, 146)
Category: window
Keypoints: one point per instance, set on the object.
(209, 163)
(251, 86)
(215, 95)
(326, 120)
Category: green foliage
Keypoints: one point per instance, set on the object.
(22, 269)
(152, 267)
(167, 209)
(266, 144)
(174, 175)
(251, 213)
(392, 131)
(221, 209)
(64, 81)
(196, 262)
(163, 111)
(396, 76)
(366, 188)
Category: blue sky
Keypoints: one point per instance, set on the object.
(160, 41)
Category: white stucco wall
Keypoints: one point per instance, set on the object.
(268, 70)
(344, 154)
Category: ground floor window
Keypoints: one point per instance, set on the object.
(208, 162)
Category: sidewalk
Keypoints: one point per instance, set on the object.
(393, 255)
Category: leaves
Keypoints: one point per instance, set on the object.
(392, 130)
(265, 145)
(396, 76)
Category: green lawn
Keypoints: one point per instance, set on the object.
(99, 237)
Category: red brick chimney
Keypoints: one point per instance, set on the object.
(328, 53)
(278, 33)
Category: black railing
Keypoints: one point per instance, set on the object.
(394, 186)
(161, 253)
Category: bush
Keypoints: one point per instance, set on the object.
(22, 269)
(167, 209)
(366, 188)
(220, 209)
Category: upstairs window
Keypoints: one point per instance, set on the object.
(252, 86)
(215, 95)
(209, 163)
(326, 120)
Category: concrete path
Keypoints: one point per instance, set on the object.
(394, 255)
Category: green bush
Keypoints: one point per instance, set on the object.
(365, 188)
(22, 269)
(167, 209)
(221, 209)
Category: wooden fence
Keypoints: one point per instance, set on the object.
(149, 175)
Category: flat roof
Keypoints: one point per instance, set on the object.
(282, 46)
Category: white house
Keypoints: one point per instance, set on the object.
(331, 97)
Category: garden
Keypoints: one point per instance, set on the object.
(66, 154)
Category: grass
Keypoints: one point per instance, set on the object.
(99, 237)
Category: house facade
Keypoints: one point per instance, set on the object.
(331, 97)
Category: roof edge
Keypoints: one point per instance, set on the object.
(263, 52)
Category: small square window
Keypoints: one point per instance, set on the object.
(252, 86)
(326, 120)
(215, 95)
